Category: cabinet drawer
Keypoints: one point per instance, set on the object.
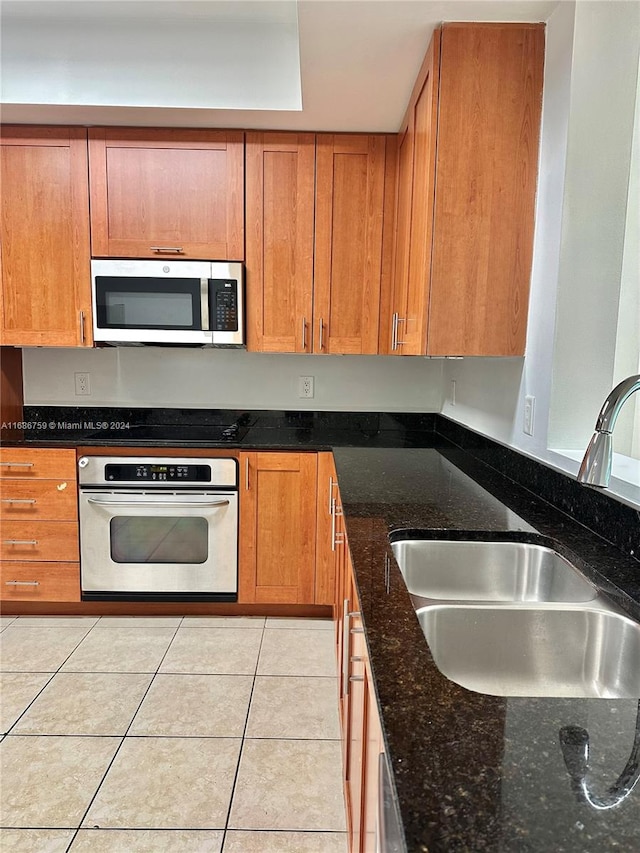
(40, 581)
(39, 500)
(32, 463)
(39, 540)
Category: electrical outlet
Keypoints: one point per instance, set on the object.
(529, 410)
(83, 388)
(305, 386)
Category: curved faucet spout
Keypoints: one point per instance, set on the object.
(595, 469)
(574, 743)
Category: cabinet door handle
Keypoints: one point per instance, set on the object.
(82, 327)
(330, 495)
(16, 464)
(398, 321)
(20, 541)
(394, 332)
(304, 333)
(345, 647)
(321, 334)
(333, 524)
(246, 474)
(168, 250)
(19, 501)
(22, 583)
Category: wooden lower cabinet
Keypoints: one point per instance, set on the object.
(278, 495)
(39, 538)
(361, 729)
(39, 581)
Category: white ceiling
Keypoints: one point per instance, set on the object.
(357, 59)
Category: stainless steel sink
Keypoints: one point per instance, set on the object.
(488, 571)
(529, 651)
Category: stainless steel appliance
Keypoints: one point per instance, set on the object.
(158, 528)
(197, 303)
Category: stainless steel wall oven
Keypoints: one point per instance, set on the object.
(158, 528)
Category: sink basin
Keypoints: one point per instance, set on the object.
(488, 571)
(528, 651)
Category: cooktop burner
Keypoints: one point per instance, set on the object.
(183, 433)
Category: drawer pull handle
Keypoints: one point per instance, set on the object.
(16, 464)
(356, 678)
(19, 501)
(174, 250)
(22, 583)
(357, 630)
(20, 541)
(356, 659)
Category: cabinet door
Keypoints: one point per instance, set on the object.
(163, 193)
(46, 284)
(404, 194)
(278, 528)
(326, 556)
(280, 203)
(356, 690)
(350, 176)
(489, 121)
(415, 259)
(374, 745)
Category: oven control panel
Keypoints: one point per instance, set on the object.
(160, 471)
(153, 473)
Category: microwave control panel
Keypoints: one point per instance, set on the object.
(224, 305)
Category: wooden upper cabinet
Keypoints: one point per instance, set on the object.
(316, 207)
(465, 215)
(416, 176)
(163, 193)
(277, 528)
(280, 179)
(350, 183)
(491, 79)
(46, 283)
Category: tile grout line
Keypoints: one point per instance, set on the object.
(110, 765)
(53, 675)
(242, 741)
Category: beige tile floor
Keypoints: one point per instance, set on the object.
(185, 735)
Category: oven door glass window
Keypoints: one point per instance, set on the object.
(148, 303)
(149, 539)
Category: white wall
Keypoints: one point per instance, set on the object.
(188, 378)
(604, 78)
(179, 55)
(489, 393)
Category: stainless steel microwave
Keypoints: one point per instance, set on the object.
(197, 303)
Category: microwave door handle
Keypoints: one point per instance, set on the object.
(204, 304)
(155, 504)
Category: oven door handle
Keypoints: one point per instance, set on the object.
(155, 504)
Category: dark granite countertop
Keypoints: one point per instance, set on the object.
(475, 772)
(472, 772)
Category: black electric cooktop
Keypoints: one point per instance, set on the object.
(191, 434)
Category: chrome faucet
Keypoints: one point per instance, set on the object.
(595, 469)
(574, 743)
